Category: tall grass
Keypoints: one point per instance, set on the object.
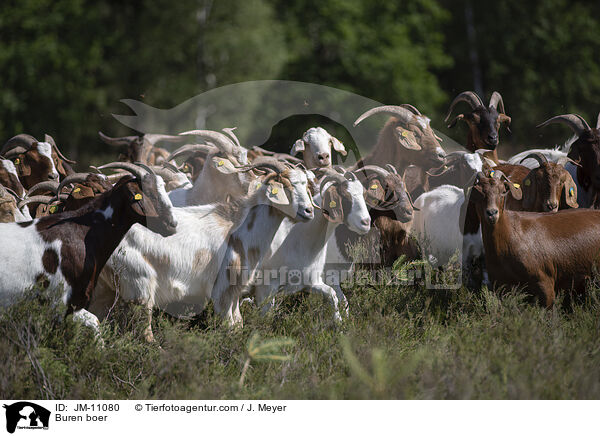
(398, 342)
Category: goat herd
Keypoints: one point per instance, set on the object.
(214, 221)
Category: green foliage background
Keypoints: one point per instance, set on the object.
(65, 64)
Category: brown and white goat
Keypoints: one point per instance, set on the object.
(70, 249)
(545, 252)
(484, 122)
(32, 159)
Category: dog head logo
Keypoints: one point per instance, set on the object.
(26, 415)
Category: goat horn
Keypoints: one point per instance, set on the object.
(73, 178)
(598, 121)
(374, 168)
(117, 142)
(403, 113)
(411, 108)
(229, 131)
(411, 202)
(222, 141)
(391, 168)
(191, 149)
(11, 192)
(563, 161)
(574, 121)
(266, 162)
(49, 139)
(48, 185)
(153, 138)
(263, 151)
(169, 166)
(23, 142)
(467, 96)
(128, 166)
(36, 199)
(496, 102)
(539, 157)
(146, 167)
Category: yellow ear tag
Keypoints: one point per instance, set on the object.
(373, 186)
(527, 182)
(186, 167)
(274, 191)
(332, 203)
(571, 191)
(138, 196)
(17, 161)
(405, 133)
(220, 163)
(258, 185)
(52, 209)
(76, 190)
(492, 173)
(516, 185)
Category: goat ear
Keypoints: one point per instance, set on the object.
(276, 194)
(570, 192)
(223, 165)
(338, 146)
(529, 191)
(374, 192)
(81, 192)
(298, 147)
(407, 138)
(332, 206)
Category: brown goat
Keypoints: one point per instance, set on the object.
(543, 252)
(546, 188)
(484, 122)
(32, 159)
(405, 139)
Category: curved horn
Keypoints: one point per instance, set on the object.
(222, 141)
(229, 131)
(496, 102)
(374, 168)
(598, 121)
(403, 113)
(50, 140)
(73, 178)
(35, 199)
(48, 185)
(391, 168)
(411, 108)
(153, 138)
(574, 121)
(117, 142)
(128, 166)
(270, 163)
(23, 142)
(191, 149)
(467, 96)
(539, 157)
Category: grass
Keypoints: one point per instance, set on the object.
(399, 342)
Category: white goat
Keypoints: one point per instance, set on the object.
(316, 145)
(437, 226)
(218, 179)
(298, 252)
